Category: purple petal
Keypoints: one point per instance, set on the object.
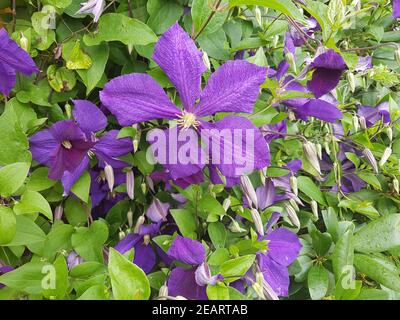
(14, 56)
(182, 282)
(320, 109)
(7, 78)
(266, 195)
(216, 179)
(109, 148)
(187, 251)
(203, 276)
(89, 117)
(137, 98)
(43, 146)
(396, 8)
(128, 243)
(275, 275)
(236, 146)
(284, 246)
(145, 257)
(234, 87)
(69, 178)
(364, 63)
(157, 211)
(176, 53)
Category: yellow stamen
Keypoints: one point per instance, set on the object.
(187, 120)
(66, 144)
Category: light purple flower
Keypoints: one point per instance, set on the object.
(13, 59)
(234, 87)
(396, 8)
(190, 283)
(374, 115)
(297, 38)
(364, 63)
(95, 7)
(157, 211)
(73, 260)
(328, 68)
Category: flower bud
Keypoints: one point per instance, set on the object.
(395, 183)
(319, 151)
(293, 185)
(109, 174)
(221, 176)
(121, 235)
(135, 144)
(226, 204)
(235, 227)
(143, 187)
(397, 55)
(262, 177)
(389, 133)
(363, 123)
(352, 81)
(356, 123)
(24, 42)
(292, 215)
(385, 156)
(206, 60)
(255, 215)
(314, 209)
(257, 14)
(129, 217)
(150, 183)
(163, 291)
(58, 212)
(139, 223)
(327, 148)
(68, 110)
(249, 191)
(293, 203)
(130, 184)
(130, 48)
(310, 152)
(371, 159)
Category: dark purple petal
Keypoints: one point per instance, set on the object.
(89, 117)
(275, 275)
(187, 251)
(266, 195)
(128, 243)
(182, 282)
(241, 146)
(7, 78)
(14, 56)
(176, 53)
(135, 98)
(109, 148)
(283, 246)
(69, 178)
(234, 87)
(274, 131)
(145, 257)
(3, 270)
(374, 115)
(320, 109)
(150, 229)
(43, 146)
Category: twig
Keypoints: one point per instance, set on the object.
(208, 19)
(130, 9)
(14, 13)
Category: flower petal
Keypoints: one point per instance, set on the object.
(7, 78)
(320, 109)
(88, 116)
(275, 275)
(177, 54)
(182, 282)
(234, 87)
(69, 178)
(43, 146)
(187, 251)
(284, 246)
(396, 8)
(135, 98)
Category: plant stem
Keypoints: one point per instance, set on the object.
(208, 19)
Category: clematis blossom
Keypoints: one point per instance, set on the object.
(67, 146)
(4, 269)
(13, 59)
(374, 115)
(94, 7)
(234, 87)
(190, 283)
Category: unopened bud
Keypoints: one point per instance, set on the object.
(206, 60)
(143, 187)
(363, 123)
(310, 152)
(385, 156)
(109, 174)
(327, 148)
(395, 183)
(23, 42)
(269, 293)
(262, 177)
(292, 215)
(314, 209)
(235, 227)
(248, 191)
(351, 81)
(226, 204)
(138, 224)
(221, 176)
(356, 123)
(129, 217)
(293, 185)
(255, 215)
(257, 14)
(150, 183)
(58, 212)
(389, 133)
(130, 184)
(371, 159)
(319, 151)
(68, 110)
(397, 55)
(135, 144)
(121, 235)
(163, 291)
(130, 48)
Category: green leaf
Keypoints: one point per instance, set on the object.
(362, 207)
(378, 270)
(97, 292)
(237, 267)
(140, 160)
(284, 6)
(128, 281)
(8, 225)
(58, 239)
(39, 181)
(12, 177)
(218, 292)
(306, 185)
(61, 79)
(88, 241)
(33, 202)
(57, 288)
(217, 233)
(371, 179)
(78, 59)
(118, 27)
(201, 11)
(318, 282)
(81, 188)
(163, 14)
(186, 221)
(343, 254)
(211, 205)
(379, 235)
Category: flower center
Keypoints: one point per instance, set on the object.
(66, 144)
(187, 120)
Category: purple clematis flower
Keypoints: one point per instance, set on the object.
(190, 283)
(13, 59)
(234, 87)
(374, 115)
(364, 63)
(4, 269)
(396, 8)
(183, 182)
(95, 7)
(328, 68)
(73, 260)
(297, 38)
(66, 146)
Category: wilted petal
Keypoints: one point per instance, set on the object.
(135, 98)
(284, 246)
(364, 63)
(187, 251)
(182, 282)
(234, 87)
(88, 116)
(177, 54)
